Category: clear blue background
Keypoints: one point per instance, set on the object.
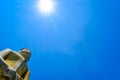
(81, 41)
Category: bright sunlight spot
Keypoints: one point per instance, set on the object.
(46, 6)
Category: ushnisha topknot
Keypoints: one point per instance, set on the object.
(26, 53)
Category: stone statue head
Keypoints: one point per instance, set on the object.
(26, 53)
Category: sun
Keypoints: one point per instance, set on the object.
(46, 6)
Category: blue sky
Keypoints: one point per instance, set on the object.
(81, 41)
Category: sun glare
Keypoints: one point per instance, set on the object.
(46, 6)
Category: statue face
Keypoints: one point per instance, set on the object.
(25, 53)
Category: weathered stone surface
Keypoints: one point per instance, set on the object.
(13, 65)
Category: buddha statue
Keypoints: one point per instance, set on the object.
(13, 65)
